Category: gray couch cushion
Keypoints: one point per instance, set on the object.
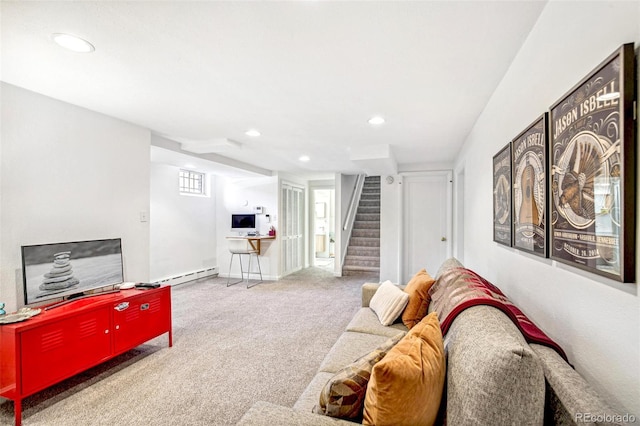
(349, 347)
(267, 414)
(493, 376)
(366, 321)
(311, 395)
(569, 396)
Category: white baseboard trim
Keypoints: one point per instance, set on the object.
(256, 276)
(189, 276)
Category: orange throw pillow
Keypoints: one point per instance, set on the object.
(418, 290)
(406, 386)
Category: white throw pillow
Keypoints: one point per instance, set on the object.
(388, 302)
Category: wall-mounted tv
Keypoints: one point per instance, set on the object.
(58, 270)
(243, 222)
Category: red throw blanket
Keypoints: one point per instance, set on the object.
(461, 288)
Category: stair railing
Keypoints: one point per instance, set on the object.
(351, 215)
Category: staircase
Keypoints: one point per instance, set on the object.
(363, 252)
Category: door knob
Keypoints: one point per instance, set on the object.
(443, 239)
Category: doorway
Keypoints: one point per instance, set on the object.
(427, 227)
(292, 229)
(323, 226)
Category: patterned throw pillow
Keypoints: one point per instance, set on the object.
(343, 395)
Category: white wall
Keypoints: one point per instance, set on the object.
(595, 320)
(231, 196)
(3, 293)
(69, 174)
(390, 228)
(183, 227)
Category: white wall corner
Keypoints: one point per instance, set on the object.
(375, 159)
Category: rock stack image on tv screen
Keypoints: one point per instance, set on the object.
(57, 270)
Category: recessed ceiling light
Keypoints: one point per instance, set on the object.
(253, 133)
(304, 158)
(73, 43)
(376, 120)
(608, 96)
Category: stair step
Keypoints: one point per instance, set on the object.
(368, 209)
(363, 251)
(372, 178)
(373, 277)
(361, 268)
(369, 224)
(371, 190)
(368, 233)
(362, 261)
(364, 242)
(370, 196)
(369, 202)
(368, 217)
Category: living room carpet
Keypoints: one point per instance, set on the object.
(232, 346)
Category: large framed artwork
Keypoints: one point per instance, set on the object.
(502, 196)
(592, 157)
(529, 165)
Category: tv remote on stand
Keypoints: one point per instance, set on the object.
(147, 285)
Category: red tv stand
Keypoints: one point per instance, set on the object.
(62, 342)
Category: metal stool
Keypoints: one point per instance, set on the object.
(240, 247)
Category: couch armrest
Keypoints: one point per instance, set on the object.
(368, 290)
(267, 414)
(571, 398)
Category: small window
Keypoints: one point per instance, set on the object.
(192, 182)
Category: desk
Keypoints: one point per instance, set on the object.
(254, 240)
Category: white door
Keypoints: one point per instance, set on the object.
(292, 234)
(426, 234)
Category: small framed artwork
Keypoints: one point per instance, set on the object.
(529, 165)
(592, 157)
(502, 196)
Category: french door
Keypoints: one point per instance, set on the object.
(292, 224)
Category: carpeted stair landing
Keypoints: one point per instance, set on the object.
(232, 347)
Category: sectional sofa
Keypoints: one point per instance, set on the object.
(493, 376)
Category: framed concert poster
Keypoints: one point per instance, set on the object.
(502, 196)
(529, 166)
(592, 157)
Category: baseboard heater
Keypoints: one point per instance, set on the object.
(189, 276)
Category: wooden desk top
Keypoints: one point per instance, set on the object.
(253, 240)
(252, 237)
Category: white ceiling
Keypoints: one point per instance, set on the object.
(306, 74)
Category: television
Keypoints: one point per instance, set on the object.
(243, 222)
(52, 271)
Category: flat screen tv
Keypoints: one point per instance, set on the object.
(243, 222)
(52, 271)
